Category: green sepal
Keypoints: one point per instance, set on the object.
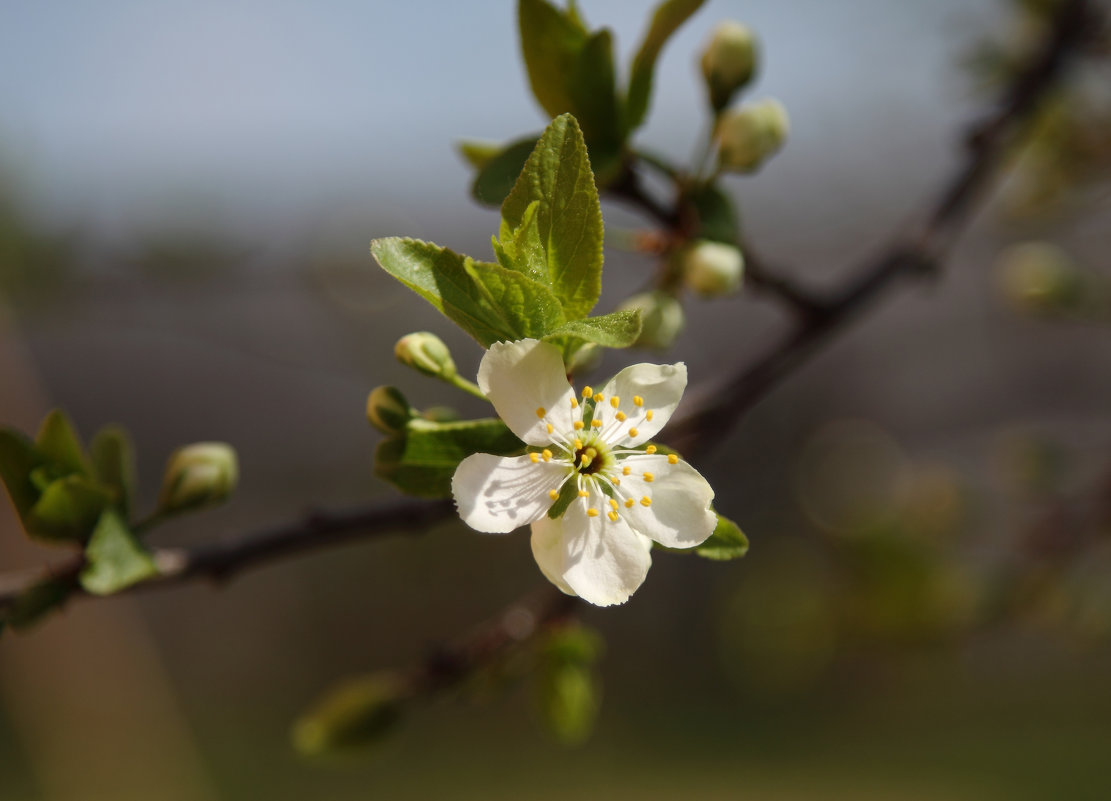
(727, 542)
(567, 493)
(114, 465)
(422, 460)
(114, 558)
(68, 509)
(667, 18)
(58, 442)
(495, 179)
(568, 218)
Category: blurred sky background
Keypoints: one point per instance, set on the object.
(218, 169)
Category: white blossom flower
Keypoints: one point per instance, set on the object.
(622, 496)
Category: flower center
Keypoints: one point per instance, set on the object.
(592, 458)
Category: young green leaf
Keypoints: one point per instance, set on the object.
(68, 509)
(615, 330)
(495, 178)
(36, 601)
(667, 18)
(422, 460)
(58, 442)
(717, 218)
(478, 154)
(114, 464)
(568, 217)
(356, 714)
(18, 458)
(526, 308)
(551, 40)
(727, 542)
(114, 559)
(592, 85)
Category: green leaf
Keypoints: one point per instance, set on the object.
(615, 330)
(68, 509)
(593, 90)
(666, 20)
(551, 40)
(568, 217)
(18, 458)
(422, 461)
(114, 559)
(727, 542)
(114, 464)
(496, 177)
(567, 688)
(58, 442)
(36, 601)
(567, 493)
(356, 714)
(487, 301)
(478, 154)
(717, 218)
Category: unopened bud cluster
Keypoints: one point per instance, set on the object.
(750, 135)
(728, 62)
(712, 268)
(201, 474)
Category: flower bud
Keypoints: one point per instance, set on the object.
(200, 474)
(388, 410)
(427, 353)
(1040, 277)
(661, 318)
(750, 135)
(712, 268)
(728, 62)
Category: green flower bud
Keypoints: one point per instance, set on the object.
(712, 268)
(197, 475)
(1040, 277)
(728, 62)
(427, 353)
(388, 410)
(750, 135)
(661, 317)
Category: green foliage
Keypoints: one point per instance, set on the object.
(566, 684)
(114, 558)
(495, 177)
(67, 509)
(551, 228)
(618, 329)
(667, 18)
(35, 602)
(717, 217)
(114, 464)
(421, 460)
(58, 443)
(354, 715)
(727, 542)
(18, 459)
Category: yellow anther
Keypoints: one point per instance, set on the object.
(541, 411)
(672, 459)
(629, 503)
(614, 400)
(648, 415)
(614, 516)
(574, 402)
(584, 494)
(592, 512)
(637, 400)
(633, 432)
(588, 392)
(553, 494)
(613, 503)
(578, 443)
(626, 470)
(547, 454)
(616, 481)
(550, 429)
(534, 457)
(620, 417)
(596, 423)
(578, 425)
(645, 501)
(649, 477)
(650, 449)
(599, 397)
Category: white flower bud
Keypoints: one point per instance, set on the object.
(198, 475)
(750, 135)
(661, 317)
(427, 353)
(388, 410)
(728, 62)
(712, 268)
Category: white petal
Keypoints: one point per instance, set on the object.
(680, 515)
(659, 386)
(497, 494)
(520, 378)
(599, 560)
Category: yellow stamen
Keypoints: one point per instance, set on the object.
(648, 415)
(541, 411)
(629, 503)
(550, 429)
(614, 516)
(633, 432)
(578, 425)
(620, 417)
(546, 454)
(578, 443)
(626, 470)
(650, 449)
(596, 423)
(614, 400)
(613, 503)
(637, 400)
(534, 457)
(584, 494)
(553, 494)
(599, 398)
(645, 501)
(672, 459)
(649, 477)
(616, 481)
(592, 512)
(588, 392)
(574, 403)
